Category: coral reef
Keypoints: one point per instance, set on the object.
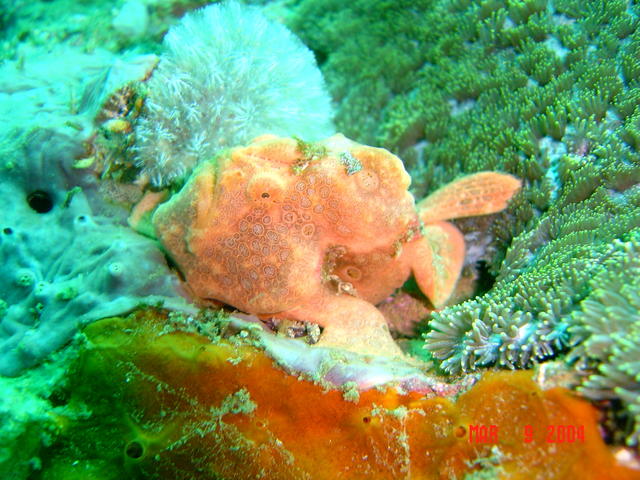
(171, 404)
(547, 91)
(227, 75)
(319, 233)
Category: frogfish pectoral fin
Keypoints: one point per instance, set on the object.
(437, 260)
(476, 194)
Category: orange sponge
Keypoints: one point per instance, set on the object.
(175, 405)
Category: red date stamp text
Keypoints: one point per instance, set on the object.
(490, 434)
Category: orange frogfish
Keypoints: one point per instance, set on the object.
(320, 234)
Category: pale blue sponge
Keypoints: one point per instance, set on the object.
(63, 263)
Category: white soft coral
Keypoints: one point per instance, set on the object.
(228, 74)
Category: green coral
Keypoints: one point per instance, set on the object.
(607, 332)
(547, 91)
(459, 86)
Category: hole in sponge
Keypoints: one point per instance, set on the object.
(134, 450)
(40, 201)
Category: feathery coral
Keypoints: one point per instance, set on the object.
(607, 332)
(227, 75)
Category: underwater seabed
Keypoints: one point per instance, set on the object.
(173, 175)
